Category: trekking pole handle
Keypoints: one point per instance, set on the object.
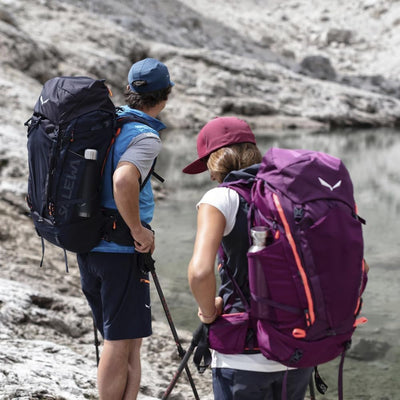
(148, 261)
(197, 334)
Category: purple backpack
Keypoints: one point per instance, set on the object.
(306, 284)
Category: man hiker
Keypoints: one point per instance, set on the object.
(114, 284)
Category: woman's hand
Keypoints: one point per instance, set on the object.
(208, 319)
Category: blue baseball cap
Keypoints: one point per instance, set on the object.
(149, 75)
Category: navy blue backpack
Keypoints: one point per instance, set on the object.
(72, 114)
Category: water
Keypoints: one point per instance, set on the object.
(372, 158)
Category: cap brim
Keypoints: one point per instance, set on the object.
(196, 167)
(142, 89)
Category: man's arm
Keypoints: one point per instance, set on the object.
(126, 186)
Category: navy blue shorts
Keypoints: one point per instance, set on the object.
(235, 384)
(118, 292)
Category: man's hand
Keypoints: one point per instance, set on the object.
(144, 240)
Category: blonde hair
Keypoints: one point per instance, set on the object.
(232, 158)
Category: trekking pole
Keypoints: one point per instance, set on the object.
(96, 342)
(149, 264)
(312, 388)
(195, 341)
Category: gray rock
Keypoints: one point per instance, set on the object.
(225, 74)
(19, 51)
(339, 36)
(7, 17)
(47, 351)
(374, 83)
(318, 67)
(30, 366)
(41, 369)
(369, 350)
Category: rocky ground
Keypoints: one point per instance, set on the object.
(46, 331)
(297, 64)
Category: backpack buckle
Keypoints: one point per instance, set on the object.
(298, 213)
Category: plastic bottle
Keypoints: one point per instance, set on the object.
(259, 236)
(89, 183)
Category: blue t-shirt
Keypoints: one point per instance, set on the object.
(139, 144)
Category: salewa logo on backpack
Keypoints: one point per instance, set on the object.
(324, 183)
(68, 185)
(42, 102)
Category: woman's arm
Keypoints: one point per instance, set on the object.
(210, 228)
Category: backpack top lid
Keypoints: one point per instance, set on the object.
(305, 175)
(64, 98)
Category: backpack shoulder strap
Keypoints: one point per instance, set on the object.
(236, 287)
(130, 118)
(136, 118)
(242, 181)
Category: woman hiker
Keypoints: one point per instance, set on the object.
(227, 144)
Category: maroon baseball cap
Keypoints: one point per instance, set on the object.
(219, 132)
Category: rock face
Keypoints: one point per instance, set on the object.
(292, 64)
(46, 331)
(46, 349)
(263, 73)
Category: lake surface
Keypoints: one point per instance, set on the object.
(371, 156)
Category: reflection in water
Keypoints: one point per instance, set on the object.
(370, 155)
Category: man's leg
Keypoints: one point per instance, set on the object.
(123, 307)
(134, 370)
(119, 371)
